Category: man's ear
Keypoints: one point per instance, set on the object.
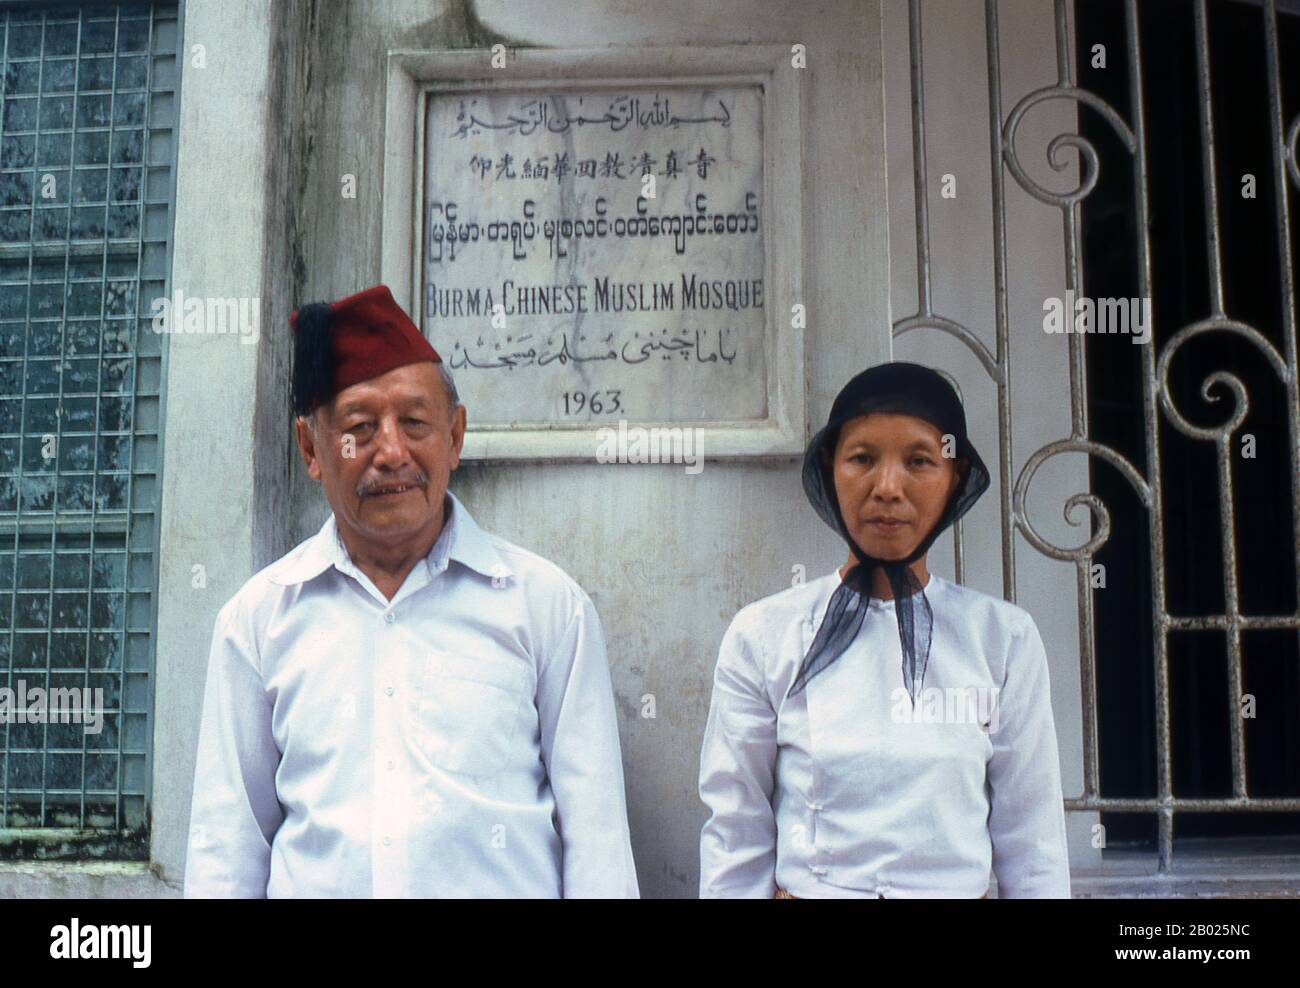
(457, 435)
(307, 446)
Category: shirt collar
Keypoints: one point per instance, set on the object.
(461, 539)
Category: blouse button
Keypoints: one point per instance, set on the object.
(390, 617)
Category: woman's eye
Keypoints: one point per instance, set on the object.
(921, 461)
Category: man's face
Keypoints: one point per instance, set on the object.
(892, 481)
(384, 450)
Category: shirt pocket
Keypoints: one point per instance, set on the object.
(470, 712)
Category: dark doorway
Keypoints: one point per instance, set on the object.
(1200, 709)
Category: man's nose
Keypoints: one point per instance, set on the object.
(390, 449)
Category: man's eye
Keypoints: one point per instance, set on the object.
(359, 427)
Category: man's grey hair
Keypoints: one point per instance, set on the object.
(453, 396)
(448, 385)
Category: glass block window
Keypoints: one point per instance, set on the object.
(87, 151)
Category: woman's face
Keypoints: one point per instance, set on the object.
(892, 481)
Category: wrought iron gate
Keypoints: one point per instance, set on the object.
(1158, 404)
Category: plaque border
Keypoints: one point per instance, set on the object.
(413, 74)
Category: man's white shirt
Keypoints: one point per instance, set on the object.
(459, 740)
(832, 793)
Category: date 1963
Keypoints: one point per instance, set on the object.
(1186, 930)
(596, 402)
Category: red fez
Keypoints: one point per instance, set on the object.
(343, 343)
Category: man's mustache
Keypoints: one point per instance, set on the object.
(368, 487)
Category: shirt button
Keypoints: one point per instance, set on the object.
(390, 617)
(390, 763)
(388, 841)
(388, 690)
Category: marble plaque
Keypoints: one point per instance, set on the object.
(595, 255)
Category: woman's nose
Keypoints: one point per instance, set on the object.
(886, 480)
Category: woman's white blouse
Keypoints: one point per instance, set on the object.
(848, 790)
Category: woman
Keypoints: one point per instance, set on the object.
(881, 731)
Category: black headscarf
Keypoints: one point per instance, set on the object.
(900, 388)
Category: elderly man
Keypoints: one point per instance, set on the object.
(404, 705)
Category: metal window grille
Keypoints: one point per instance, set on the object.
(1158, 403)
(87, 151)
